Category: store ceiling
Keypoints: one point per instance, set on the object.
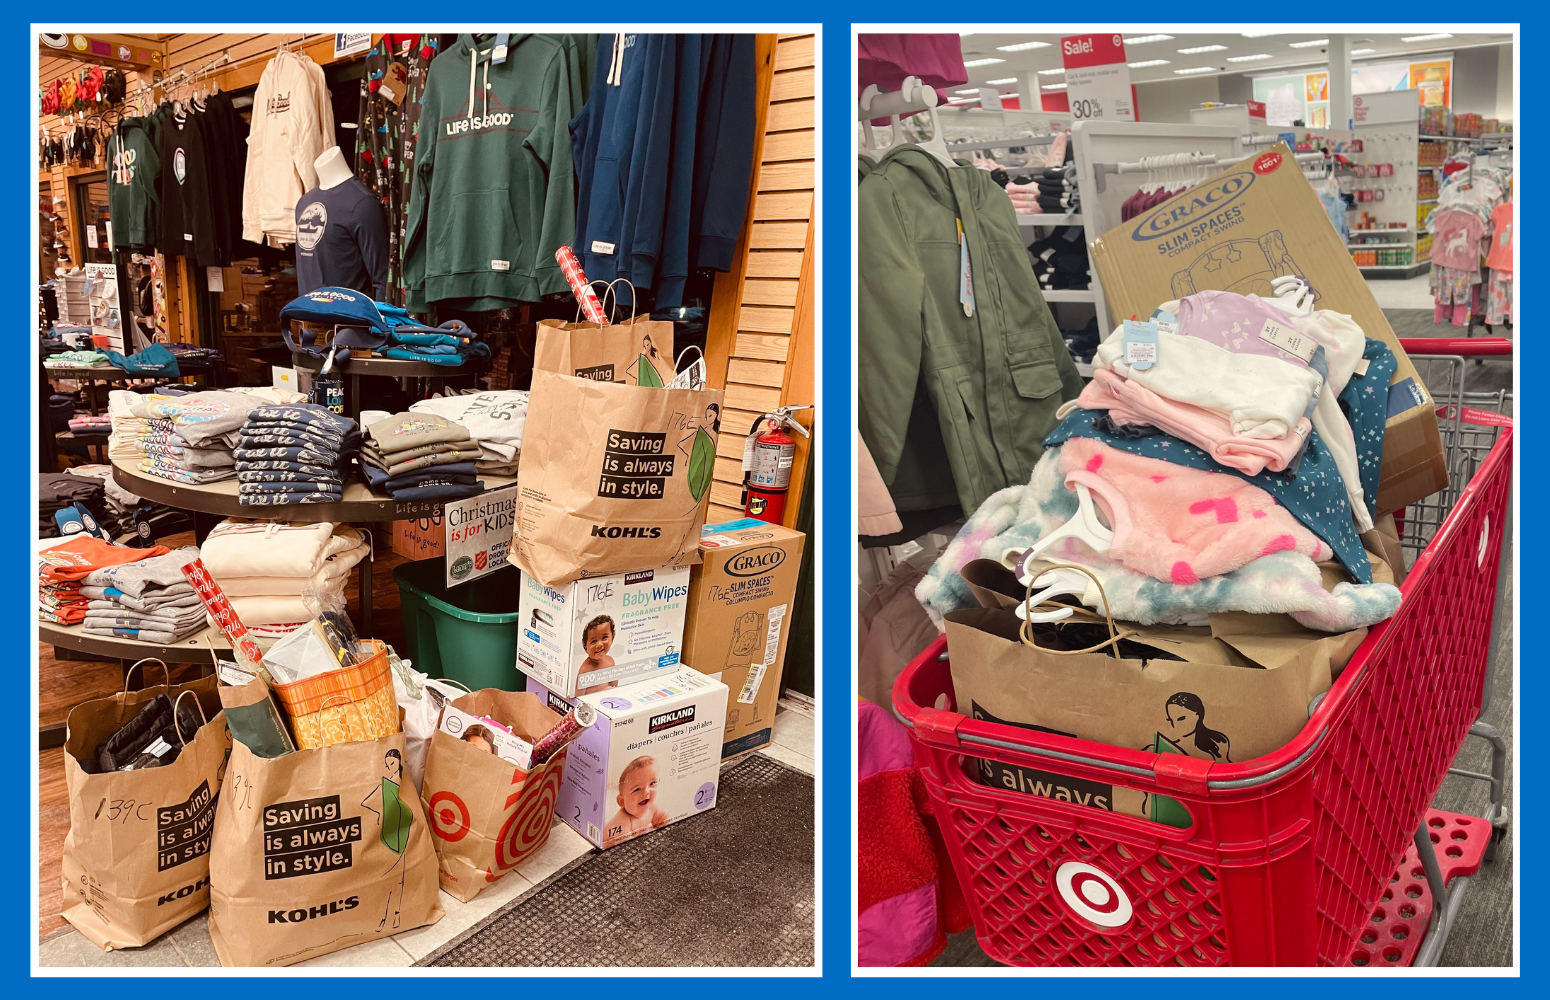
(1279, 48)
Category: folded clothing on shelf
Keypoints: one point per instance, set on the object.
(495, 420)
(275, 572)
(64, 566)
(317, 445)
(404, 445)
(80, 359)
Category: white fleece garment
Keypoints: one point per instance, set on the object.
(238, 548)
(1263, 397)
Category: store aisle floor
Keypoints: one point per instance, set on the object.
(189, 945)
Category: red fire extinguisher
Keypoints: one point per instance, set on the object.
(767, 466)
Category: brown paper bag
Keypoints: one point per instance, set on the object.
(487, 815)
(638, 351)
(613, 478)
(1241, 691)
(316, 851)
(137, 857)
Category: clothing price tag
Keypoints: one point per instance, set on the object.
(1361, 367)
(215, 279)
(1287, 339)
(965, 274)
(1140, 344)
(1166, 321)
(498, 56)
(394, 83)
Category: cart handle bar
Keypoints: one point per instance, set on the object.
(1469, 347)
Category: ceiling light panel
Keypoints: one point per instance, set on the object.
(1195, 69)
(1262, 55)
(1148, 62)
(1005, 79)
(1427, 38)
(1143, 39)
(1202, 48)
(1051, 72)
(970, 64)
(1053, 86)
(1022, 46)
(1309, 45)
(1361, 52)
(1258, 34)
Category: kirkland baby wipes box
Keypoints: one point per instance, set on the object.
(1236, 232)
(740, 598)
(589, 635)
(652, 757)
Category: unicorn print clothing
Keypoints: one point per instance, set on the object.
(1457, 244)
(1180, 524)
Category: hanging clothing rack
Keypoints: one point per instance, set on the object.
(1101, 170)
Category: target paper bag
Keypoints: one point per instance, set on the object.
(487, 815)
(137, 857)
(613, 478)
(316, 851)
(637, 351)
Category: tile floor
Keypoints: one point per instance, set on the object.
(189, 945)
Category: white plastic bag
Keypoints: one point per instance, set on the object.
(421, 698)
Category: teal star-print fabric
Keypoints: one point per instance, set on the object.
(1366, 405)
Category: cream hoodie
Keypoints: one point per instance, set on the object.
(291, 127)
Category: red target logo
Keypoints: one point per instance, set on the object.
(449, 817)
(1093, 895)
(527, 828)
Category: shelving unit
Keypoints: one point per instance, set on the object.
(1390, 141)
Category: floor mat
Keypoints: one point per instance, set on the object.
(733, 887)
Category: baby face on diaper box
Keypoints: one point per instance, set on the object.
(652, 758)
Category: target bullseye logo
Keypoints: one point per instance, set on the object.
(1093, 895)
(449, 816)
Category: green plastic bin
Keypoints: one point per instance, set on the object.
(468, 633)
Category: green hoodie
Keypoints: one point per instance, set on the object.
(494, 192)
(993, 379)
(132, 168)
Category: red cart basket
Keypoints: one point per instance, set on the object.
(1322, 853)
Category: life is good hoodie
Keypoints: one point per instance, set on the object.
(493, 195)
(286, 137)
(133, 165)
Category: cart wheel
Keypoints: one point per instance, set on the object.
(1497, 835)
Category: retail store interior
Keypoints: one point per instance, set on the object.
(1407, 144)
(310, 306)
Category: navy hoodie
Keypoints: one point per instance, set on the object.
(664, 160)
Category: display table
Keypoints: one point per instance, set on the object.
(91, 376)
(374, 367)
(220, 499)
(195, 648)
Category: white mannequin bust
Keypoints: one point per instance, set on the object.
(331, 168)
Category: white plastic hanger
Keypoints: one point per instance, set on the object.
(1085, 527)
(1293, 295)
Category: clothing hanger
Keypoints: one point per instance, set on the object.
(911, 98)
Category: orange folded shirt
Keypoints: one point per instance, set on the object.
(75, 560)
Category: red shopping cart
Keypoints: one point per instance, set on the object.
(1323, 853)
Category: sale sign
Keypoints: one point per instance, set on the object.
(479, 534)
(1097, 78)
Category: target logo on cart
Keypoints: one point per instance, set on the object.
(1093, 895)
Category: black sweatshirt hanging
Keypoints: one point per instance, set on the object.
(186, 226)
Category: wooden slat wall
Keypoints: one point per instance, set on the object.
(753, 367)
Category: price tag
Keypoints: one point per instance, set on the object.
(1287, 339)
(965, 274)
(394, 83)
(1140, 344)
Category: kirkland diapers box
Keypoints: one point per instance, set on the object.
(1253, 222)
(652, 757)
(591, 634)
(739, 599)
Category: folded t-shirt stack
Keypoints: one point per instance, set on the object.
(87, 423)
(149, 600)
(58, 490)
(275, 573)
(80, 359)
(1045, 189)
(495, 419)
(189, 438)
(62, 566)
(297, 453)
(420, 456)
(452, 343)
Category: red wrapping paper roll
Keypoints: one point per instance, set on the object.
(571, 268)
(214, 600)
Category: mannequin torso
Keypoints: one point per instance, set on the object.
(331, 168)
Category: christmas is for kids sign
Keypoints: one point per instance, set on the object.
(479, 534)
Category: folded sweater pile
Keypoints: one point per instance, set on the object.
(1060, 260)
(420, 456)
(274, 572)
(297, 453)
(149, 600)
(1046, 189)
(189, 438)
(494, 419)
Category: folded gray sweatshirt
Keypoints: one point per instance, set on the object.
(153, 573)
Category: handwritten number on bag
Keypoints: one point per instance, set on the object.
(124, 809)
(242, 792)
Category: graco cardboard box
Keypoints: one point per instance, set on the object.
(653, 756)
(739, 599)
(600, 631)
(1253, 222)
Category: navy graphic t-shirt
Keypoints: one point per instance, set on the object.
(341, 240)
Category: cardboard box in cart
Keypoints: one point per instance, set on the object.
(740, 597)
(602, 630)
(653, 756)
(1253, 222)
